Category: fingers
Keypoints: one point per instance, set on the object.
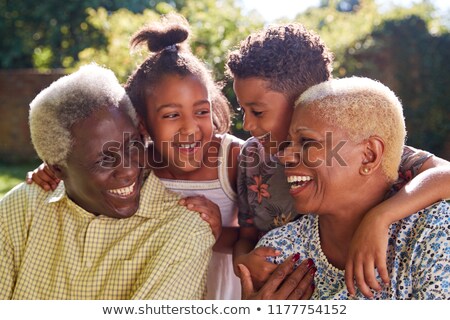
(44, 177)
(380, 264)
(349, 277)
(360, 280)
(280, 273)
(266, 252)
(369, 276)
(297, 284)
(195, 200)
(29, 177)
(246, 282)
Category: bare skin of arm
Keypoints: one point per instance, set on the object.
(368, 249)
(253, 259)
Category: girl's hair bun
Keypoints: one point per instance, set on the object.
(171, 31)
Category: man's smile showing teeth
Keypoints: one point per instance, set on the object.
(298, 181)
(124, 191)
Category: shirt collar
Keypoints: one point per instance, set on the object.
(155, 199)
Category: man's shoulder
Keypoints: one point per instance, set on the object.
(23, 193)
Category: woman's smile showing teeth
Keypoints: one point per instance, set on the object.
(126, 191)
(298, 181)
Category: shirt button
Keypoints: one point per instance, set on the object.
(89, 263)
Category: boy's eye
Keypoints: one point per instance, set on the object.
(134, 143)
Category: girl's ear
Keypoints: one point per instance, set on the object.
(143, 132)
(58, 171)
(372, 155)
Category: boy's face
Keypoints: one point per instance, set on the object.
(267, 113)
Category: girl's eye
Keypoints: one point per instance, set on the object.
(170, 115)
(202, 112)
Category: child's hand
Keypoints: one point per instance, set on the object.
(209, 211)
(256, 263)
(367, 252)
(43, 176)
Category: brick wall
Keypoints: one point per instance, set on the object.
(17, 89)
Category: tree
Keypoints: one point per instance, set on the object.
(414, 63)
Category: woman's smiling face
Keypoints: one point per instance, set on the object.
(321, 163)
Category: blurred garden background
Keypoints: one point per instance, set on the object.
(406, 47)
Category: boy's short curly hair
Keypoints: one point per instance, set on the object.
(290, 57)
(68, 100)
(362, 107)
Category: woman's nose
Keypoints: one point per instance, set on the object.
(289, 157)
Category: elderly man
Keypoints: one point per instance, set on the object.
(107, 232)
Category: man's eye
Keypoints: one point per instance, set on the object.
(106, 161)
(257, 113)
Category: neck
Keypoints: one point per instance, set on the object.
(336, 229)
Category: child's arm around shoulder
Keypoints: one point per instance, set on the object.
(43, 176)
(426, 181)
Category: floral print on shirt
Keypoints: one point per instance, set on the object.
(418, 256)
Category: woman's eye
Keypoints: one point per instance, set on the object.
(306, 143)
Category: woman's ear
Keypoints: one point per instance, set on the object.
(58, 171)
(372, 155)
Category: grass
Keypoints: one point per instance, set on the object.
(11, 175)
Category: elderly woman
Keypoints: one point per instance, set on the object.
(105, 232)
(347, 137)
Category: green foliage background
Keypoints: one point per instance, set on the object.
(406, 48)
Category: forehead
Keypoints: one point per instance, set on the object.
(175, 83)
(108, 124)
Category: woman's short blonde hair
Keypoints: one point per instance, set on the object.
(363, 108)
(68, 100)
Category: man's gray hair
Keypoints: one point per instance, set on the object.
(68, 100)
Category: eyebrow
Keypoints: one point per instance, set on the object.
(178, 106)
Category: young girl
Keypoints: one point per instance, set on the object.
(187, 116)
(271, 69)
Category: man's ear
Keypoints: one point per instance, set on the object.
(58, 171)
(372, 154)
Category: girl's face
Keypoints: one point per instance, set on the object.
(179, 121)
(267, 113)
